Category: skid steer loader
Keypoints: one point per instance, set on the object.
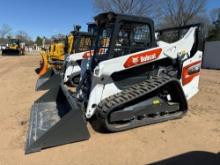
(77, 42)
(130, 82)
(75, 62)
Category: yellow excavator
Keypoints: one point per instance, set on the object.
(14, 47)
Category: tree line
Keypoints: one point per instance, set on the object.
(6, 34)
(168, 13)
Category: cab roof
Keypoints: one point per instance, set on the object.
(110, 17)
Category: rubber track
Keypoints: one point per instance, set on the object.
(132, 93)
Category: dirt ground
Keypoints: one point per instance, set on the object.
(199, 130)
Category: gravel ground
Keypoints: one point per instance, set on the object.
(199, 130)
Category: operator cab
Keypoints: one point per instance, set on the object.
(118, 35)
(14, 43)
(83, 41)
(121, 35)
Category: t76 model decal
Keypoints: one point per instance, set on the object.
(141, 58)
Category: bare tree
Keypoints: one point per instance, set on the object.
(133, 7)
(22, 36)
(214, 29)
(58, 37)
(215, 15)
(5, 31)
(182, 12)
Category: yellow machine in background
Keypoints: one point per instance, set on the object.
(14, 47)
(52, 57)
(53, 60)
(75, 42)
(57, 51)
(55, 55)
(70, 39)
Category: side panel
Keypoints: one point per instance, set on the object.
(71, 70)
(102, 84)
(77, 56)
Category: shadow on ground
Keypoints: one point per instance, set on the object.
(192, 158)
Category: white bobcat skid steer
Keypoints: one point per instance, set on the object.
(133, 81)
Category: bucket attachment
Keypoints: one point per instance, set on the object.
(49, 80)
(55, 119)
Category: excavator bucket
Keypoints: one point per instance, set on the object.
(55, 119)
(49, 80)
